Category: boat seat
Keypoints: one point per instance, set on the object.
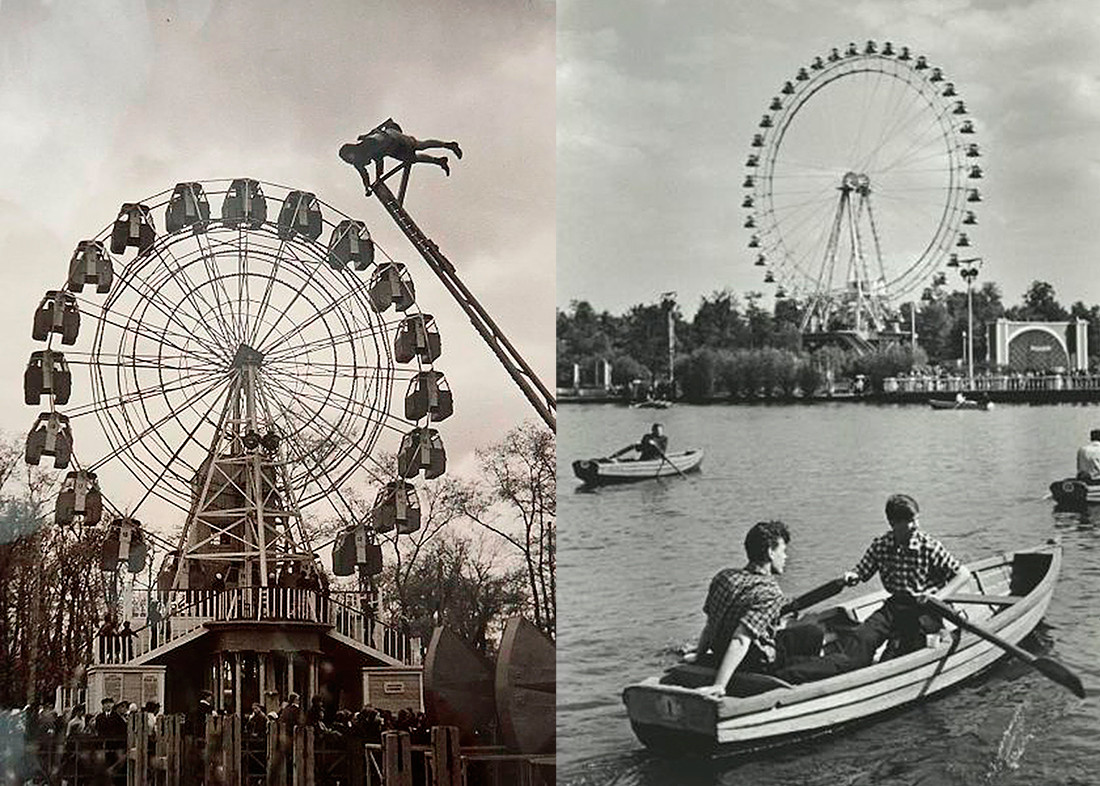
(984, 600)
(743, 683)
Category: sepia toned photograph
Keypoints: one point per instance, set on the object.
(827, 334)
(277, 448)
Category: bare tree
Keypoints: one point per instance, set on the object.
(49, 585)
(519, 506)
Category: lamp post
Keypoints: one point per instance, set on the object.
(968, 269)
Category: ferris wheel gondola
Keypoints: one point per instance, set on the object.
(857, 182)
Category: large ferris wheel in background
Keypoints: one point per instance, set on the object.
(861, 185)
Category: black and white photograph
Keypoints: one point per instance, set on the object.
(828, 361)
(277, 447)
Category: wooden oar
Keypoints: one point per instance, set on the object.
(814, 596)
(1047, 666)
(665, 458)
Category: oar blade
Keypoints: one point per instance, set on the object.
(1060, 674)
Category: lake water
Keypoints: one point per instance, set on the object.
(634, 564)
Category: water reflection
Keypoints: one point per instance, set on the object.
(634, 562)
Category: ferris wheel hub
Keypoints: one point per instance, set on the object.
(247, 356)
(856, 181)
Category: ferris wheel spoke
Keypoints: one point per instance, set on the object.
(219, 290)
(281, 354)
(138, 330)
(265, 300)
(325, 396)
(900, 124)
(186, 362)
(306, 283)
(192, 293)
(297, 328)
(154, 425)
(132, 396)
(152, 294)
(183, 444)
(307, 450)
(922, 138)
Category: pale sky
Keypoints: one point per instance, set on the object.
(658, 103)
(113, 101)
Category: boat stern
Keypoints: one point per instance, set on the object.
(672, 719)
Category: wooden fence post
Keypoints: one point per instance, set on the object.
(446, 757)
(358, 765)
(137, 749)
(223, 750)
(276, 755)
(303, 756)
(397, 758)
(167, 757)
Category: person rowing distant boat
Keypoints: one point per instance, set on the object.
(653, 445)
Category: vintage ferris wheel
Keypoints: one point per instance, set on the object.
(241, 367)
(861, 184)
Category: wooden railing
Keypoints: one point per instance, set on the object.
(191, 610)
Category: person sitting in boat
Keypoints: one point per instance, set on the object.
(743, 609)
(960, 398)
(911, 564)
(1088, 458)
(652, 446)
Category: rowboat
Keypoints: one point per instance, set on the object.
(603, 471)
(1007, 594)
(657, 403)
(937, 403)
(1075, 494)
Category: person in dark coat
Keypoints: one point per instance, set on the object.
(195, 723)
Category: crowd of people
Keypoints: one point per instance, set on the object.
(37, 743)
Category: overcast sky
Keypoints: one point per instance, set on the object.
(116, 100)
(658, 102)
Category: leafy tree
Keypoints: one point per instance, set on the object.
(1039, 304)
(457, 582)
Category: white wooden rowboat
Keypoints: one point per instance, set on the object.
(601, 471)
(1007, 594)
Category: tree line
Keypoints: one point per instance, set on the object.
(736, 347)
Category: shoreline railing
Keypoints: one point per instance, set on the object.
(991, 383)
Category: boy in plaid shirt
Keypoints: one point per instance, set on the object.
(911, 564)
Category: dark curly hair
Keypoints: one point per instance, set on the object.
(764, 536)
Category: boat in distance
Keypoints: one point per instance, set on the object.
(1007, 594)
(604, 471)
(938, 403)
(1075, 494)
